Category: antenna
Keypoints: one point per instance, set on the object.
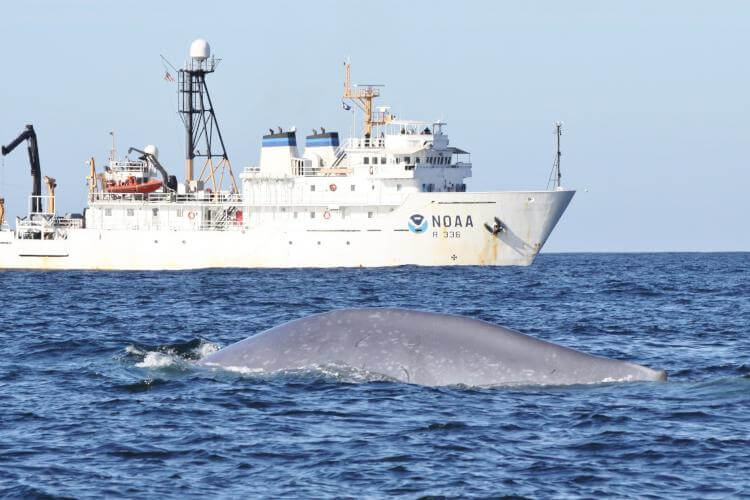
(199, 118)
(555, 176)
(362, 96)
(112, 151)
(558, 133)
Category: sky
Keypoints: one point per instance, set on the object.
(653, 96)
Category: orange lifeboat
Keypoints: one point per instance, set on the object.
(131, 186)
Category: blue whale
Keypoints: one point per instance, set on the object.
(423, 348)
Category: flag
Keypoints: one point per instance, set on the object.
(168, 77)
(346, 106)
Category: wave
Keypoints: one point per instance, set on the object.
(176, 355)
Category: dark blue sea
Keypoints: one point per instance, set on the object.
(99, 396)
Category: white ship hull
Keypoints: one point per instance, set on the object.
(453, 233)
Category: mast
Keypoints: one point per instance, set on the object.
(199, 118)
(558, 175)
(362, 96)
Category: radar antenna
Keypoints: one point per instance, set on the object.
(362, 96)
(199, 118)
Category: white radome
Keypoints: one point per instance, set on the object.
(200, 50)
(152, 150)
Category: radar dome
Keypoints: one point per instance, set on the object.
(200, 50)
(152, 150)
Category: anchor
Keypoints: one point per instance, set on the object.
(497, 228)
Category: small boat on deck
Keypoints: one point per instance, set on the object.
(131, 185)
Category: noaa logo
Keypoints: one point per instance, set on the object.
(417, 224)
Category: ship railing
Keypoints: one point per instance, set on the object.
(34, 221)
(221, 225)
(48, 221)
(41, 205)
(69, 222)
(203, 196)
(27, 227)
(364, 143)
(215, 197)
(304, 168)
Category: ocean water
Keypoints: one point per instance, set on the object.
(99, 396)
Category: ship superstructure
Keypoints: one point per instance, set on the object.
(393, 195)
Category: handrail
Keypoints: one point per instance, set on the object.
(219, 198)
(364, 143)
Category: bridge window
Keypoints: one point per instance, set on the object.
(398, 187)
(312, 215)
(407, 159)
(352, 187)
(367, 160)
(312, 187)
(155, 211)
(417, 159)
(382, 160)
(369, 215)
(374, 160)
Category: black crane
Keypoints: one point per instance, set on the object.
(36, 172)
(170, 181)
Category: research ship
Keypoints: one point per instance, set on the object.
(393, 194)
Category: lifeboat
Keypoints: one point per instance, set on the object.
(131, 186)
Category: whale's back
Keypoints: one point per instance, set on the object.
(422, 348)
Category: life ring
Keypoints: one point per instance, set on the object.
(326, 214)
(332, 187)
(191, 215)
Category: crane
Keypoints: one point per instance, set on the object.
(36, 172)
(170, 181)
(51, 184)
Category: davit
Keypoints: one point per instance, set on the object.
(422, 348)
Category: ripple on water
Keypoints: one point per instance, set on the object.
(104, 401)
